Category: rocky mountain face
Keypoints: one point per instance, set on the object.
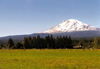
(71, 25)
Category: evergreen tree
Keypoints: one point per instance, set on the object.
(61, 42)
(38, 42)
(42, 43)
(57, 43)
(52, 42)
(34, 42)
(47, 41)
(30, 42)
(69, 42)
(10, 43)
(26, 43)
(64, 42)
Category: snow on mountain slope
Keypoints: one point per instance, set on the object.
(71, 25)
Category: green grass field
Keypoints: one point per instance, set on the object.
(50, 59)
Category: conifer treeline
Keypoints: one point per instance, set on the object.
(41, 43)
(47, 42)
(51, 43)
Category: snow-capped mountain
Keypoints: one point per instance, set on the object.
(71, 25)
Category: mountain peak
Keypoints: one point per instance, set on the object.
(71, 25)
(73, 20)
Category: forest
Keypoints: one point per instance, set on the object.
(49, 42)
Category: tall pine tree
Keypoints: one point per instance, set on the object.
(10, 43)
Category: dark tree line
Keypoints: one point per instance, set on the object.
(51, 43)
(47, 42)
(41, 43)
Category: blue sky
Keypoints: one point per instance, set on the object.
(33, 16)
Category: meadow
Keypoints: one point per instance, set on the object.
(50, 59)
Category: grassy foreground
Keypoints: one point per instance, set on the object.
(50, 59)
